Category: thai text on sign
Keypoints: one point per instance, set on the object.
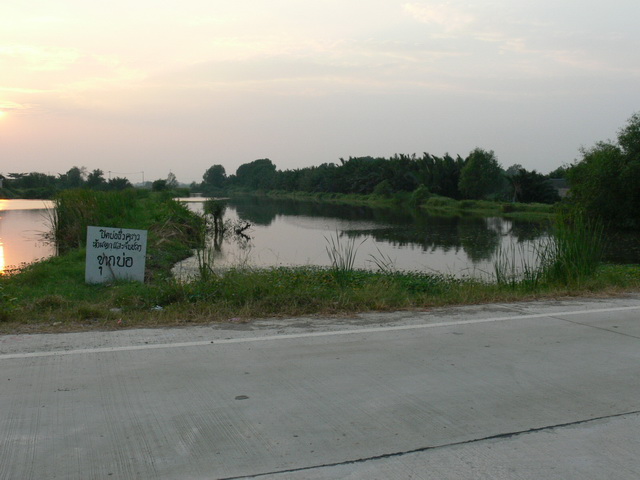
(115, 254)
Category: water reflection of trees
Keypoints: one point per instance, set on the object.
(478, 237)
(263, 211)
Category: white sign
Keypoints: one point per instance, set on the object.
(115, 253)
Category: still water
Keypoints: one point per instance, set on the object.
(22, 224)
(292, 233)
(286, 233)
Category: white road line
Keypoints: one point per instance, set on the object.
(362, 331)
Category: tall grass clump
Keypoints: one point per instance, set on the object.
(7, 304)
(74, 210)
(569, 256)
(516, 267)
(575, 250)
(342, 254)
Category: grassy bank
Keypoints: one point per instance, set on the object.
(432, 204)
(52, 295)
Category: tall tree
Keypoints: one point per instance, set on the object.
(215, 176)
(119, 183)
(481, 175)
(172, 181)
(74, 178)
(605, 183)
(257, 175)
(529, 187)
(96, 180)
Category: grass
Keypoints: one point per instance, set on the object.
(342, 254)
(570, 256)
(52, 296)
(70, 304)
(433, 204)
(575, 250)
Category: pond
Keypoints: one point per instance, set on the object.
(293, 233)
(22, 225)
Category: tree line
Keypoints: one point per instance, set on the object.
(42, 185)
(478, 176)
(604, 183)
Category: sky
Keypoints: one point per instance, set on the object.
(140, 89)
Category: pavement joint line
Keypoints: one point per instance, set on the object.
(498, 436)
(609, 330)
(361, 331)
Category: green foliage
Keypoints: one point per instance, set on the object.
(96, 180)
(419, 196)
(7, 304)
(383, 189)
(257, 175)
(75, 210)
(170, 223)
(342, 254)
(382, 177)
(481, 175)
(214, 177)
(74, 178)
(513, 270)
(570, 257)
(605, 183)
(531, 187)
(575, 250)
(439, 202)
(159, 185)
(119, 183)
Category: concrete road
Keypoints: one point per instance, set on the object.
(509, 391)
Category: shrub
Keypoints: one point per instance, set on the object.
(440, 202)
(420, 195)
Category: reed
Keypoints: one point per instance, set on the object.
(75, 210)
(575, 250)
(342, 254)
(571, 255)
(517, 267)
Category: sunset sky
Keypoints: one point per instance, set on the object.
(159, 86)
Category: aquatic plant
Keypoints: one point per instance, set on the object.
(570, 255)
(574, 251)
(342, 254)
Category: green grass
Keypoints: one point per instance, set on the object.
(67, 303)
(342, 254)
(433, 204)
(52, 295)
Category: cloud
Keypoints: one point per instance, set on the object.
(36, 58)
(443, 15)
(13, 106)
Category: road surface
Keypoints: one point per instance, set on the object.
(502, 391)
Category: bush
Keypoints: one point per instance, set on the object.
(420, 195)
(605, 184)
(383, 189)
(466, 204)
(440, 202)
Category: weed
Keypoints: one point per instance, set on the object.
(49, 302)
(89, 312)
(383, 262)
(342, 255)
(518, 268)
(574, 252)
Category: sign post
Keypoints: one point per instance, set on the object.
(115, 254)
